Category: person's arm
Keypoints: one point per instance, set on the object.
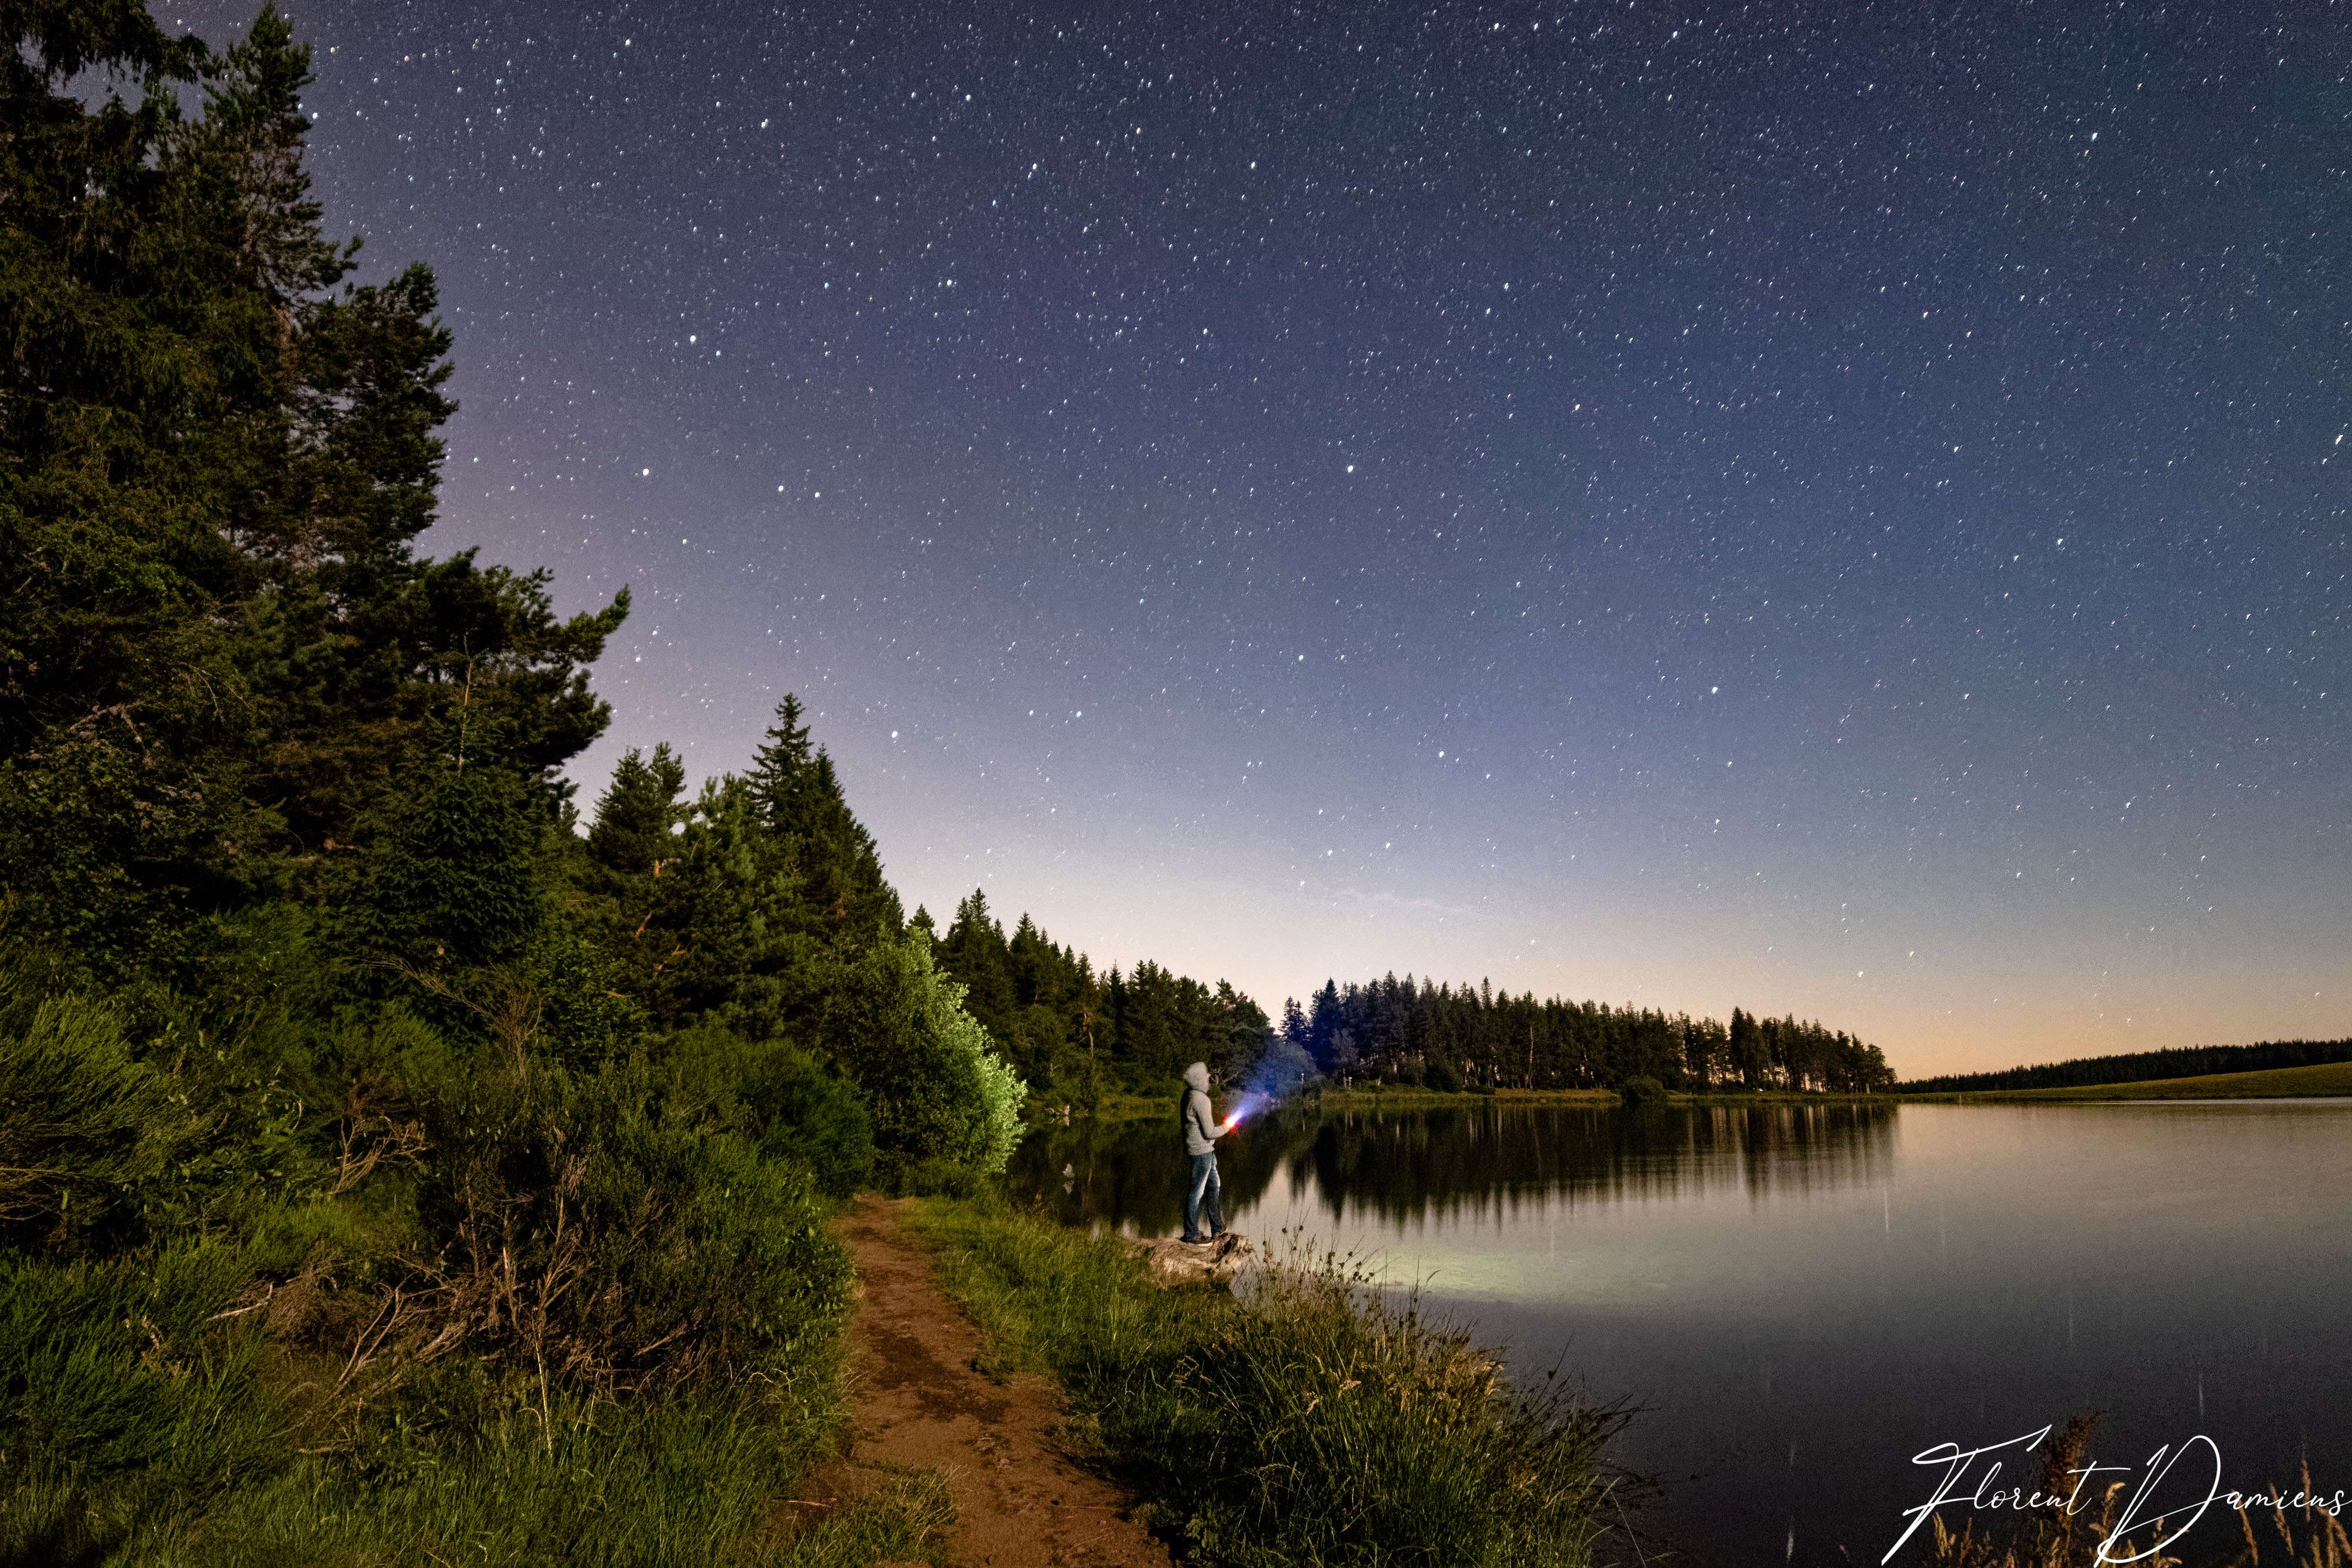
(1205, 1117)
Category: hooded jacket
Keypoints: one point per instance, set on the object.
(1199, 1121)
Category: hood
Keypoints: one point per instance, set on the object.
(1197, 1077)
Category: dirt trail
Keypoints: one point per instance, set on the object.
(916, 1400)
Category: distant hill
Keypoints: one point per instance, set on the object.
(2333, 1078)
(2141, 1066)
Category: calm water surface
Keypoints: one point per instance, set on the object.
(1800, 1298)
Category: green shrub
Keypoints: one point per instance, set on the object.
(933, 1085)
(593, 1230)
(449, 1295)
(456, 877)
(85, 1128)
(804, 1113)
(776, 1095)
(1642, 1090)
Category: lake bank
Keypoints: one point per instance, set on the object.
(1129, 1107)
(1308, 1422)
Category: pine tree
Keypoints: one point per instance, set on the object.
(633, 827)
(975, 954)
(798, 795)
(1324, 1026)
(221, 665)
(783, 769)
(842, 866)
(455, 882)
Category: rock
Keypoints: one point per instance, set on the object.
(1176, 1262)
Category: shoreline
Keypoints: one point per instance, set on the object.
(1126, 1107)
(1304, 1422)
(2325, 1081)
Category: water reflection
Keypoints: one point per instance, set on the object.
(1450, 1163)
(1803, 1296)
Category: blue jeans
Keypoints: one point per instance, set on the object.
(1204, 1184)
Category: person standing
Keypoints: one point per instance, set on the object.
(1201, 1132)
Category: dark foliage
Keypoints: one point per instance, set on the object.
(219, 656)
(2138, 1066)
(1073, 1034)
(1449, 1037)
(384, 1168)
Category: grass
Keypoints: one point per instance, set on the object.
(1308, 1424)
(2275, 1084)
(538, 1315)
(903, 1519)
(145, 1422)
(206, 1442)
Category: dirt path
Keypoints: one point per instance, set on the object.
(916, 1400)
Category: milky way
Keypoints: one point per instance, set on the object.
(1831, 510)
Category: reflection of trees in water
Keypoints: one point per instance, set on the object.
(1452, 1161)
(1445, 1162)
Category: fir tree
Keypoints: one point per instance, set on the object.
(457, 881)
(633, 827)
(782, 770)
(219, 657)
(975, 954)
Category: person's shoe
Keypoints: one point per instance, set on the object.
(1191, 1240)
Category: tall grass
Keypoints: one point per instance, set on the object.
(1307, 1424)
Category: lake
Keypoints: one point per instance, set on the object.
(1801, 1297)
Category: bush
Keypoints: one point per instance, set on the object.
(457, 874)
(463, 1307)
(1642, 1091)
(804, 1113)
(779, 1096)
(84, 1127)
(933, 1087)
(596, 1231)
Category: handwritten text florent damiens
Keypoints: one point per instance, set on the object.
(1963, 1486)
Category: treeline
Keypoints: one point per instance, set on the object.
(1453, 1037)
(1074, 1033)
(388, 1171)
(2134, 1067)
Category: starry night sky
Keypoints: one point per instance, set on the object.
(1830, 510)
